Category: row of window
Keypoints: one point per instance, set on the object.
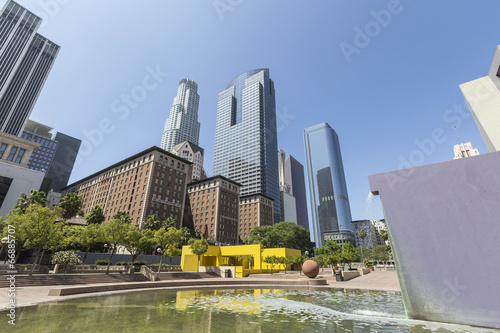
(15, 155)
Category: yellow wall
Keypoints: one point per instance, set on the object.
(228, 256)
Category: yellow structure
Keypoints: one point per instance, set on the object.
(247, 259)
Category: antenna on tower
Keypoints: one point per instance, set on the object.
(456, 133)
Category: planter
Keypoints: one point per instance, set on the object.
(371, 268)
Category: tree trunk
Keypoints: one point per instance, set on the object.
(109, 259)
(41, 257)
(36, 259)
(170, 264)
(161, 260)
(198, 265)
(85, 256)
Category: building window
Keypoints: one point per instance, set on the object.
(3, 146)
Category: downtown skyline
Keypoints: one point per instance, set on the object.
(384, 104)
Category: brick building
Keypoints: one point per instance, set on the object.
(212, 208)
(256, 210)
(150, 182)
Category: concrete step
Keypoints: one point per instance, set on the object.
(69, 279)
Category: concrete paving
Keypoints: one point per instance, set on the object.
(378, 280)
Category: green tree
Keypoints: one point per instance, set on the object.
(298, 261)
(91, 236)
(165, 238)
(384, 235)
(321, 260)
(271, 260)
(362, 234)
(40, 227)
(123, 217)
(71, 205)
(137, 241)
(96, 216)
(185, 236)
(283, 234)
(349, 255)
(171, 251)
(168, 223)
(35, 197)
(65, 258)
(152, 222)
(198, 247)
(114, 233)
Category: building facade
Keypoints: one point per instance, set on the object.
(191, 152)
(246, 145)
(288, 205)
(371, 239)
(15, 177)
(152, 182)
(464, 150)
(294, 177)
(329, 201)
(26, 59)
(379, 226)
(255, 211)
(182, 123)
(213, 209)
(483, 98)
(41, 159)
(55, 157)
(63, 162)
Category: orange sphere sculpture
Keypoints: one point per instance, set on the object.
(310, 268)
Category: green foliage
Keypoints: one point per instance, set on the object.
(122, 217)
(96, 216)
(368, 263)
(66, 258)
(137, 241)
(168, 223)
(198, 247)
(103, 262)
(167, 238)
(283, 234)
(122, 263)
(384, 235)
(152, 222)
(271, 260)
(25, 201)
(140, 263)
(71, 205)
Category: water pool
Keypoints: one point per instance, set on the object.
(230, 310)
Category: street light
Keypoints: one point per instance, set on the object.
(4, 241)
(105, 250)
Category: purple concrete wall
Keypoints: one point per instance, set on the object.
(444, 222)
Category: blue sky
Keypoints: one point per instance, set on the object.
(391, 89)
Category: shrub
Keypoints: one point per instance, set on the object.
(102, 262)
(368, 263)
(122, 263)
(66, 258)
(140, 262)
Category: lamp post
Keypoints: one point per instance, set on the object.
(4, 241)
(105, 250)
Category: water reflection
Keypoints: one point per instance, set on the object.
(232, 310)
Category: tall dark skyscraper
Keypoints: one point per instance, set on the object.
(63, 161)
(329, 201)
(25, 62)
(246, 145)
(294, 177)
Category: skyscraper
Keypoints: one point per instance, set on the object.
(288, 204)
(246, 146)
(182, 123)
(25, 61)
(483, 98)
(330, 210)
(64, 159)
(294, 177)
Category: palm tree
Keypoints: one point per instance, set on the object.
(384, 235)
(25, 201)
(152, 222)
(96, 216)
(362, 235)
(123, 217)
(71, 204)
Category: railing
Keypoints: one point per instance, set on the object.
(23, 269)
(148, 273)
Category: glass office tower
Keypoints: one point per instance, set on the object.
(182, 123)
(26, 59)
(246, 145)
(330, 210)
